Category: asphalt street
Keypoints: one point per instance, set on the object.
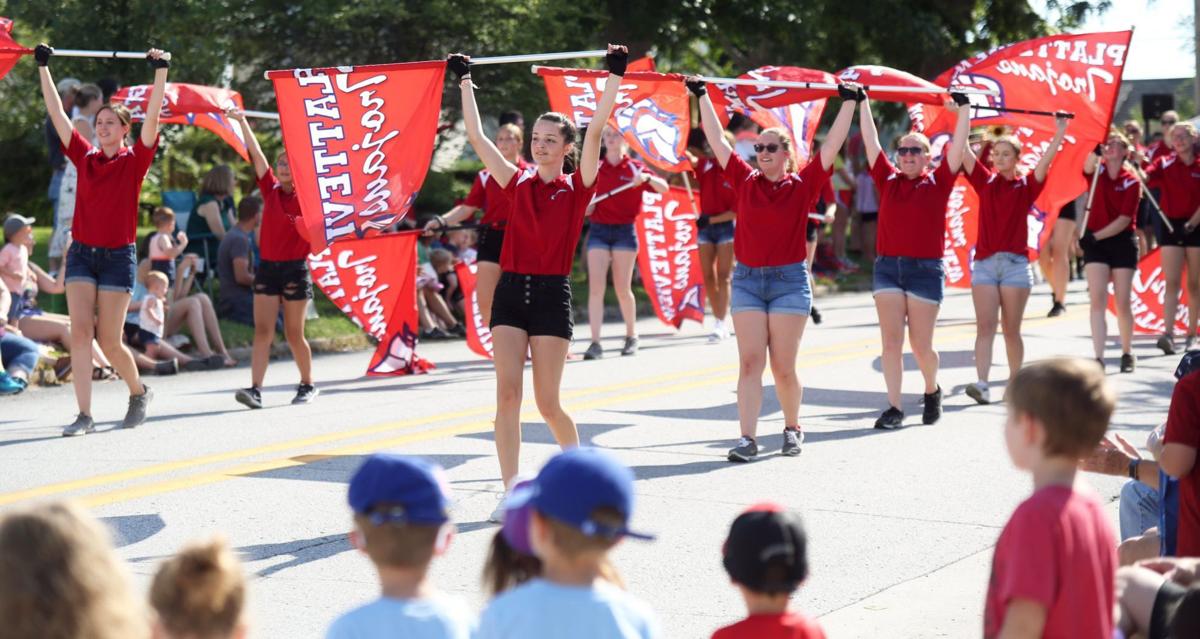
(901, 524)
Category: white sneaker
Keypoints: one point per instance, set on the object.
(497, 516)
(979, 392)
(719, 332)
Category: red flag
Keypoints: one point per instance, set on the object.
(10, 51)
(192, 104)
(359, 141)
(373, 281)
(653, 110)
(668, 256)
(870, 75)
(645, 63)
(962, 229)
(1147, 296)
(797, 110)
(479, 335)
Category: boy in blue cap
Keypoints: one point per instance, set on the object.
(581, 504)
(401, 522)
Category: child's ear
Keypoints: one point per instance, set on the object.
(444, 537)
(356, 539)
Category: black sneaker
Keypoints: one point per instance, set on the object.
(1165, 342)
(249, 397)
(82, 425)
(1128, 363)
(193, 365)
(166, 367)
(595, 351)
(746, 450)
(305, 393)
(135, 415)
(630, 347)
(933, 406)
(891, 419)
(1057, 309)
(792, 438)
(458, 330)
(815, 315)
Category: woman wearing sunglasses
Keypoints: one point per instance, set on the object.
(772, 295)
(909, 280)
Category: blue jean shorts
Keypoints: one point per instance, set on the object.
(919, 278)
(1003, 269)
(109, 269)
(772, 289)
(719, 233)
(612, 237)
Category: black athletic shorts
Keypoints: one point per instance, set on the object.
(1179, 238)
(491, 241)
(869, 216)
(536, 304)
(1067, 212)
(289, 280)
(1118, 251)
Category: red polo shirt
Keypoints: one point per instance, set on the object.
(912, 211)
(1113, 199)
(772, 216)
(544, 223)
(486, 194)
(1004, 206)
(716, 193)
(107, 193)
(280, 240)
(1179, 183)
(622, 208)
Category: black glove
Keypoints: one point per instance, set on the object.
(459, 64)
(1099, 150)
(702, 222)
(42, 54)
(860, 95)
(1088, 241)
(960, 98)
(847, 93)
(616, 60)
(158, 63)
(697, 86)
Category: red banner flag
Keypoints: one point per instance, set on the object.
(373, 281)
(668, 256)
(797, 110)
(359, 141)
(479, 335)
(10, 51)
(192, 104)
(645, 63)
(653, 110)
(870, 75)
(1078, 73)
(1147, 296)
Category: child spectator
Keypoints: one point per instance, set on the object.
(462, 242)
(154, 311)
(1054, 564)
(200, 593)
(510, 560)
(766, 558)
(582, 501)
(165, 243)
(59, 578)
(443, 264)
(401, 522)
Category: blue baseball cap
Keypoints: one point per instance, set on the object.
(412, 489)
(1188, 364)
(575, 483)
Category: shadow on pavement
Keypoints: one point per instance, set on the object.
(339, 468)
(131, 529)
(539, 433)
(302, 551)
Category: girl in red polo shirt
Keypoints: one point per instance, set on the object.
(281, 276)
(909, 280)
(531, 311)
(1110, 248)
(1001, 276)
(772, 292)
(1177, 177)
(612, 240)
(102, 261)
(715, 229)
(486, 194)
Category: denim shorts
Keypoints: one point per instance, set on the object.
(719, 233)
(166, 267)
(919, 278)
(772, 289)
(109, 269)
(1003, 269)
(612, 237)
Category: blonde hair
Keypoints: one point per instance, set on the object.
(439, 257)
(1116, 134)
(218, 181)
(200, 592)
(785, 139)
(59, 578)
(157, 276)
(512, 128)
(162, 215)
(920, 139)
(1010, 140)
(1186, 127)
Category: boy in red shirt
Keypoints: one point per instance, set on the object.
(766, 557)
(1054, 565)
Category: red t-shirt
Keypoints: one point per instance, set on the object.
(107, 193)
(912, 211)
(772, 216)
(827, 196)
(280, 240)
(544, 223)
(1113, 199)
(1003, 211)
(486, 194)
(716, 193)
(622, 208)
(1155, 150)
(1058, 550)
(789, 625)
(1183, 427)
(1179, 183)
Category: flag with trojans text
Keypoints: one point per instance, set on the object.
(1147, 296)
(373, 281)
(668, 256)
(191, 104)
(359, 142)
(794, 109)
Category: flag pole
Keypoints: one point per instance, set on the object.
(1068, 115)
(116, 55)
(265, 115)
(1087, 208)
(620, 189)
(787, 84)
(537, 57)
(1150, 196)
(687, 184)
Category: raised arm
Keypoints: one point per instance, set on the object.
(851, 95)
(962, 131)
(1060, 131)
(589, 158)
(54, 107)
(257, 157)
(501, 169)
(713, 131)
(870, 136)
(154, 108)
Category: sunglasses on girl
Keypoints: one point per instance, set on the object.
(769, 148)
(909, 150)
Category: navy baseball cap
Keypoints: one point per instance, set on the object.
(412, 490)
(572, 485)
(1188, 364)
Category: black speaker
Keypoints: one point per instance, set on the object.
(1155, 104)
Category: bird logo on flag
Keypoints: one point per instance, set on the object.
(985, 105)
(655, 129)
(400, 354)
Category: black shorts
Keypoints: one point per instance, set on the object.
(138, 337)
(1166, 602)
(536, 304)
(1179, 238)
(491, 241)
(289, 280)
(810, 232)
(869, 216)
(1118, 251)
(1067, 212)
